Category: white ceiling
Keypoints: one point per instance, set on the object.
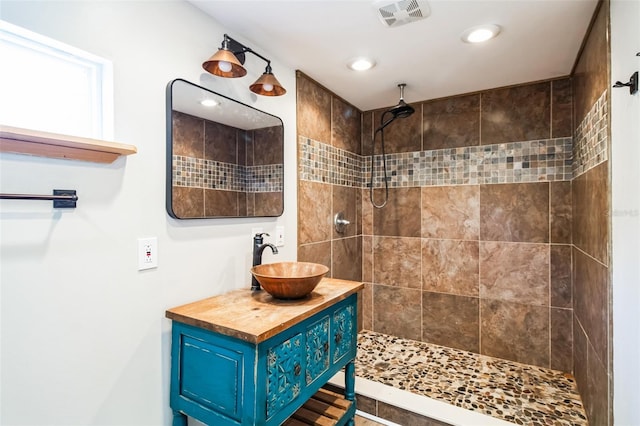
(540, 39)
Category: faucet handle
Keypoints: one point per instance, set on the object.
(258, 238)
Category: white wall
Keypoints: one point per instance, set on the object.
(625, 148)
(83, 334)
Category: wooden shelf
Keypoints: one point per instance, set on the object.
(44, 144)
(325, 408)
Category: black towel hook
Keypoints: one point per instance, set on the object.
(632, 84)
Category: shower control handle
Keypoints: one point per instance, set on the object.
(340, 222)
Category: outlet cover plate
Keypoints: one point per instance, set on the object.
(147, 253)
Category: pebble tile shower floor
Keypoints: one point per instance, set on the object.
(518, 393)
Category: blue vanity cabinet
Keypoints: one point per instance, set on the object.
(223, 376)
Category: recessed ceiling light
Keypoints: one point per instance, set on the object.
(208, 102)
(361, 64)
(480, 33)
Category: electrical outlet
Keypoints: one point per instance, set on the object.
(279, 237)
(147, 253)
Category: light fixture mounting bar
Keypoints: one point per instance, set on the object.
(240, 49)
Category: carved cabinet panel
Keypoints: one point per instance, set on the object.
(317, 349)
(343, 331)
(284, 373)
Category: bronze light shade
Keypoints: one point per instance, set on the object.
(268, 85)
(221, 60)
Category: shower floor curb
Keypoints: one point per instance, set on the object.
(419, 404)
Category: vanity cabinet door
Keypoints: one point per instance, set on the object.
(342, 331)
(284, 373)
(317, 349)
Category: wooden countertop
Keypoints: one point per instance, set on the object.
(256, 316)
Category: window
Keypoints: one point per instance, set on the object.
(50, 86)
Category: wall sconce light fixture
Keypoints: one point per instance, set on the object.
(228, 62)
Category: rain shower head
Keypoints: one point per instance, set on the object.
(402, 109)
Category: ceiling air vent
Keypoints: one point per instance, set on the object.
(394, 13)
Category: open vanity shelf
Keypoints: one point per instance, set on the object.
(245, 358)
(45, 144)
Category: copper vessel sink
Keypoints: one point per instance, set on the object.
(289, 280)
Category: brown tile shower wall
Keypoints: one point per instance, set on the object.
(591, 230)
(324, 117)
(482, 267)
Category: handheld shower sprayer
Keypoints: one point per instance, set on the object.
(401, 110)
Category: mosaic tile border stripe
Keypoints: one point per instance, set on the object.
(591, 145)
(200, 173)
(320, 162)
(516, 162)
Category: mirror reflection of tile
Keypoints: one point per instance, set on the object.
(219, 170)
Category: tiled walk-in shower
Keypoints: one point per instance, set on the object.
(517, 393)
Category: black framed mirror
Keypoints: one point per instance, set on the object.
(224, 158)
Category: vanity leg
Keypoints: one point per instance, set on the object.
(179, 419)
(350, 386)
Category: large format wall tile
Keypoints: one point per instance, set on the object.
(451, 122)
(345, 200)
(367, 258)
(401, 216)
(220, 142)
(561, 108)
(366, 213)
(451, 212)
(266, 203)
(396, 311)
(561, 339)
(597, 397)
(580, 366)
(345, 126)
(221, 203)
(316, 253)
(514, 331)
(396, 262)
(267, 146)
(515, 272)
(313, 109)
(451, 320)
(560, 212)
(314, 204)
(188, 202)
(591, 74)
(560, 277)
(367, 306)
(591, 212)
(188, 135)
(450, 266)
(346, 256)
(403, 135)
(367, 133)
(591, 300)
(519, 113)
(515, 212)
